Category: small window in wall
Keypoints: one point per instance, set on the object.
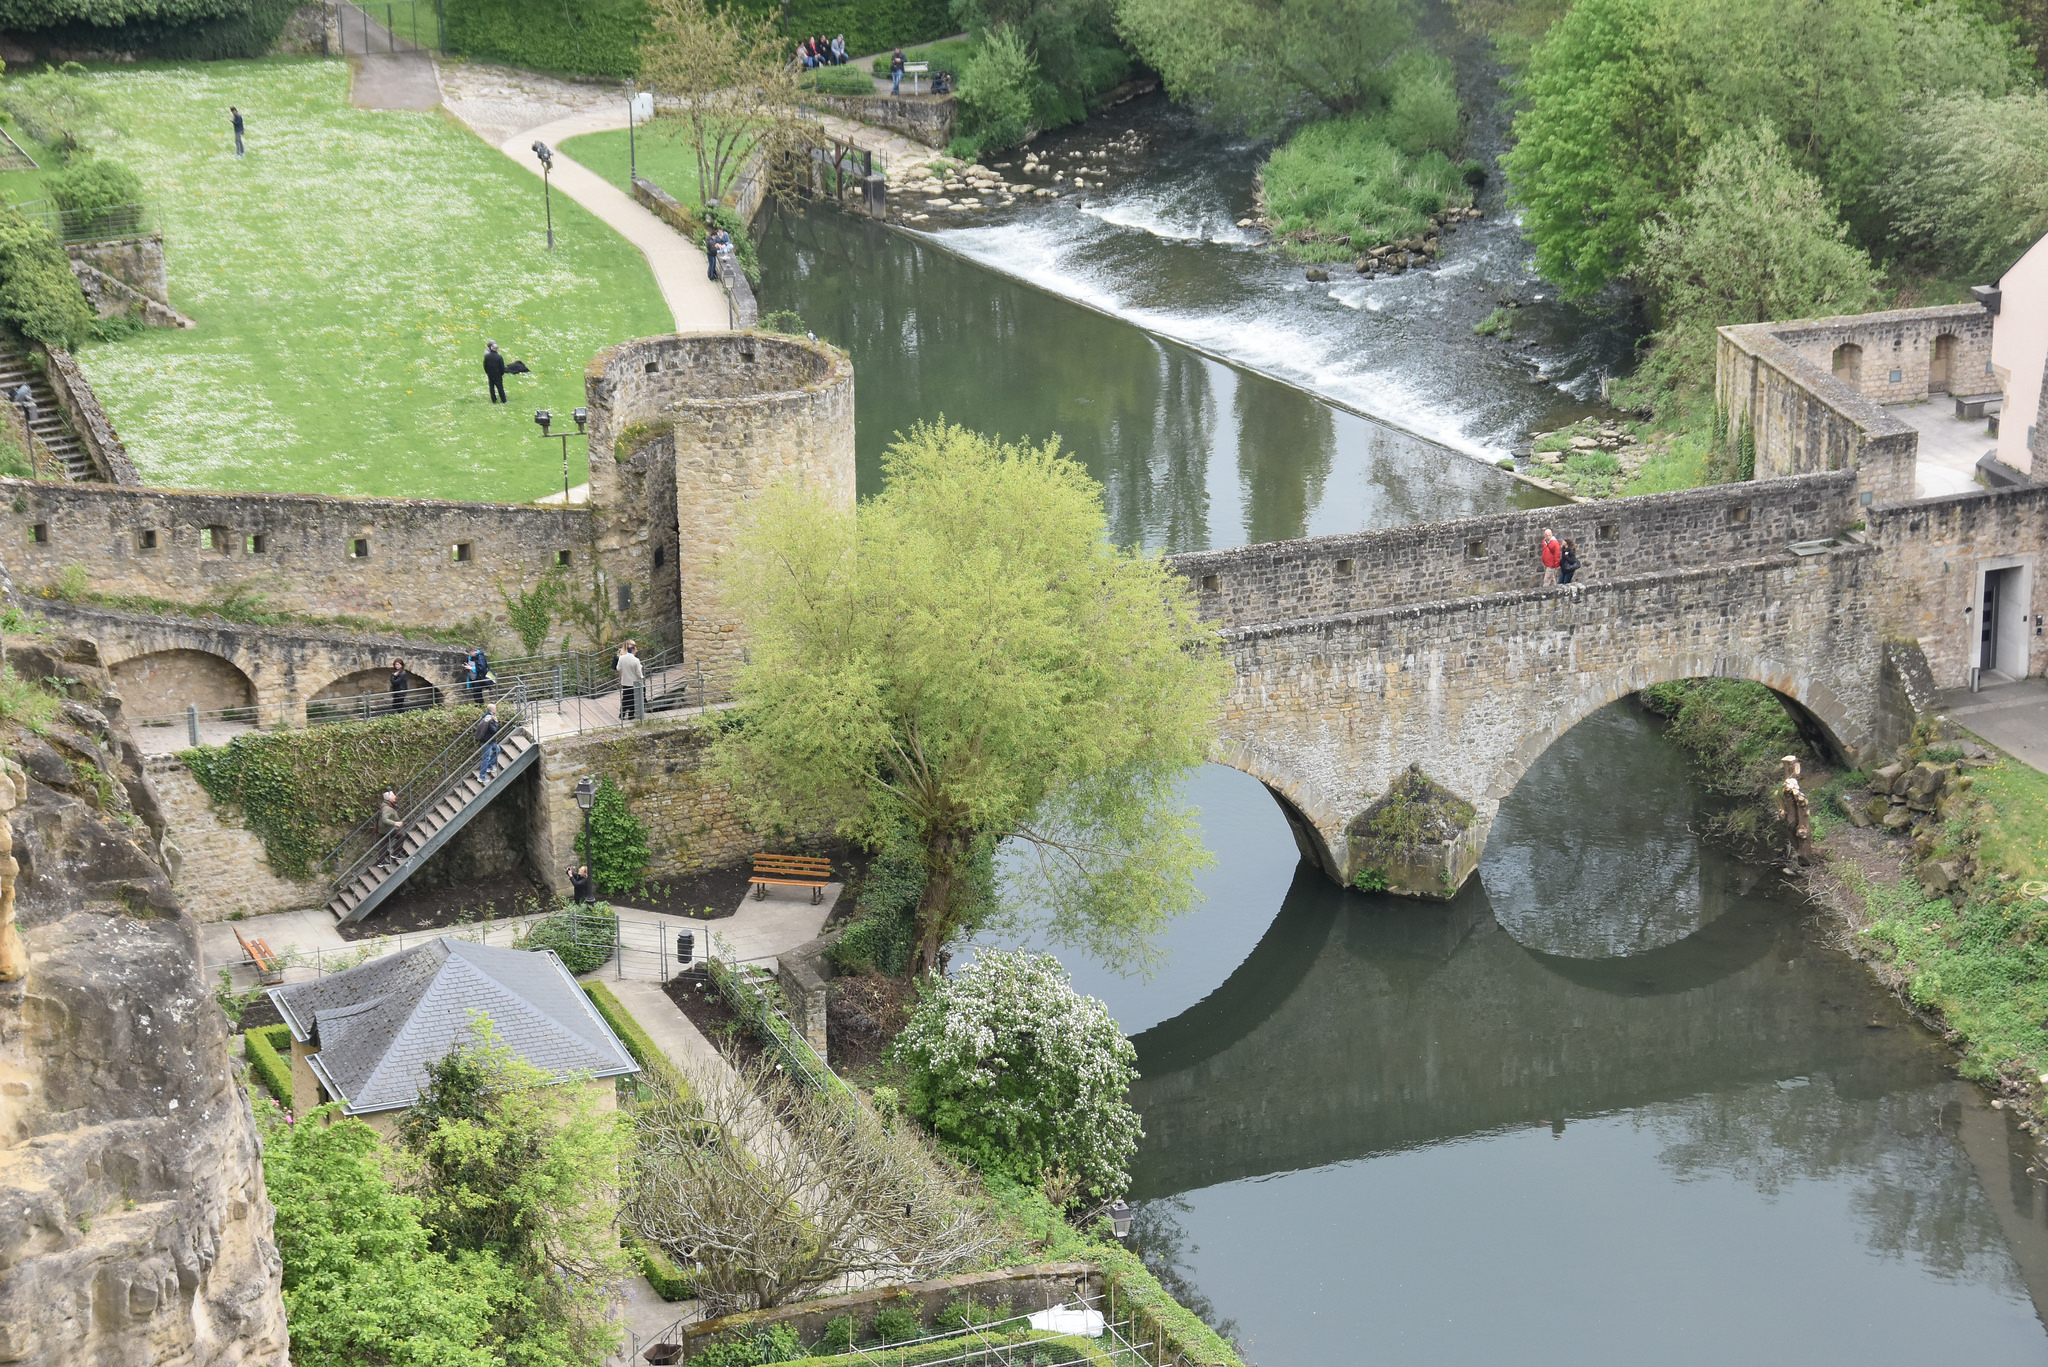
(1475, 549)
(257, 544)
(145, 539)
(1608, 531)
(206, 539)
(215, 539)
(39, 534)
(660, 556)
(1898, 376)
(625, 598)
(1739, 514)
(1344, 569)
(359, 549)
(460, 553)
(562, 558)
(1210, 583)
(654, 367)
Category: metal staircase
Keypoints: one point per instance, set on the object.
(49, 424)
(433, 805)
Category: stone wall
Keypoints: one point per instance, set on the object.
(410, 562)
(1805, 420)
(746, 410)
(168, 681)
(137, 262)
(1328, 711)
(1435, 561)
(222, 869)
(927, 119)
(110, 298)
(1900, 342)
(668, 208)
(1936, 552)
(89, 421)
(692, 821)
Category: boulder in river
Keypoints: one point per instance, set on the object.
(1319, 276)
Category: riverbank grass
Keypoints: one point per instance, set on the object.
(345, 276)
(1343, 186)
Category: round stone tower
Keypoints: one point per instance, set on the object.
(684, 430)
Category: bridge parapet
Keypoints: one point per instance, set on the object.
(1433, 562)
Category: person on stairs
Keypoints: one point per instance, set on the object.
(388, 823)
(487, 736)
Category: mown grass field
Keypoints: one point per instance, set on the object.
(345, 276)
(660, 150)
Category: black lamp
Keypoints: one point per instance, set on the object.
(543, 417)
(586, 794)
(547, 189)
(582, 415)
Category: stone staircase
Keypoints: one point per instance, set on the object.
(49, 425)
(364, 885)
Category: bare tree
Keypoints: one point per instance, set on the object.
(773, 1191)
(734, 94)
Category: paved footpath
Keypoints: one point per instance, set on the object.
(2012, 716)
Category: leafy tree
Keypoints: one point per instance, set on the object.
(967, 658)
(1259, 63)
(38, 293)
(1754, 239)
(506, 1165)
(1623, 97)
(1971, 185)
(995, 91)
(1072, 45)
(1025, 1075)
(733, 90)
(361, 1284)
(55, 106)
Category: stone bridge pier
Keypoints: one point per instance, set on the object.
(1340, 693)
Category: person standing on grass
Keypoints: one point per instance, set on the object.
(896, 72)
(487, 736)
(1553, 554)
(235, 120)
(388, 823)
(494, 371)
(631, 675)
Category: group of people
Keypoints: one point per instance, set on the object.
(816, 52)
(1560, 558)
(717, 243)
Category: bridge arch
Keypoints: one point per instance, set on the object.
(156, 683)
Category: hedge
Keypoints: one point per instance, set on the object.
(270, 1066)
(1030, 1346)
(670, 1282)
(173, 30)
(631, 1033)
(603, 37)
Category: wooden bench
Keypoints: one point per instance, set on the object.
(791, 871)
(269, 966)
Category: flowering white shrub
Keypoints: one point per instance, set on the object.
(1025, 1075)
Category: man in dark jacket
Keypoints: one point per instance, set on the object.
(400, 682)
(487, 736)
(581, 888)
(235, 122)
(494, 371)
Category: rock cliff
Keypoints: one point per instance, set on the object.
(134, 1228)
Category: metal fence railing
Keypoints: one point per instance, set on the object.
(749, 1001)
(94, 225)
(366, 28)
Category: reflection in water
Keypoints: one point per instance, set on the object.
(1661, 1119)
(1192, 453)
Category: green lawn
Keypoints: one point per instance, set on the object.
(660, 150)
(345, 276)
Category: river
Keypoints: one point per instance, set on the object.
(1620, 1100)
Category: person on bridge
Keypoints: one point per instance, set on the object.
(478, 671)
(235, 120)
(1553, 555)
(631, 676)
(1568, 561)
(487, 736)
(400, 682)
(388, 823)
(494, 371)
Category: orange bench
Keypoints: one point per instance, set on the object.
(791, 871)
(269, 966)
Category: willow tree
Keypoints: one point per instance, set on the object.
(965, 660)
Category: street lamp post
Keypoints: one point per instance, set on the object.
(632, 160)
(547, 189)
(586, 794)
(543, 418)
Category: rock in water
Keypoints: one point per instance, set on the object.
(1319, 277)
(134, 1227)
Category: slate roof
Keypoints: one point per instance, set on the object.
(378, 1025)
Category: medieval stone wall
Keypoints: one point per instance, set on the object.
(410, 562)
(1935, 552)
(1900, 342)
(1434, 561)
(222, 869)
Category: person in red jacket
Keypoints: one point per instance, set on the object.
(1553, 555)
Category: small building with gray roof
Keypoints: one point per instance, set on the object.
(364, 1037)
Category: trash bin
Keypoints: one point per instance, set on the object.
(686, 945)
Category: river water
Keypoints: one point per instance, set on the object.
(1619, 1101)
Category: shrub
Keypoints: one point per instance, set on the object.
(267, 1050)
(840, 80)
(897, 1324)
(670, 1282)
(38, 293)
(582, 38)
(1027, 1077)
(1345, 181)
(996, 89)
(582, 936)
(93, 189)
(883, 935)
(788, 322)
(617, 843)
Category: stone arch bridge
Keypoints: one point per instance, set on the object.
(1437, 646)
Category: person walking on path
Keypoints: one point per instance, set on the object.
(494, 371)
(1553, 553)
(235, 119)
(399, 683)
(1568, 561)
(388, 822)
(581, 889)
(896, 72)
(631, 675)
(487, 736)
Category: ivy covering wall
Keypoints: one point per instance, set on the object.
(602, 37)
(302, 791)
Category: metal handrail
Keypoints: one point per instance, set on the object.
(420, 793)
(774, 1029)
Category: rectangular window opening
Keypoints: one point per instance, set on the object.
(40, 534)
(660, 556)
(654, 367)
(257, 545)
(562, 558)
(1475, 549)
(1344, 569)
(625, 598)
(145, 539)
(1210, 583)
(460, 553)
(1739, 514)
(1608, 531)
(359, 549)
(215, 539)
(1897, 376)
